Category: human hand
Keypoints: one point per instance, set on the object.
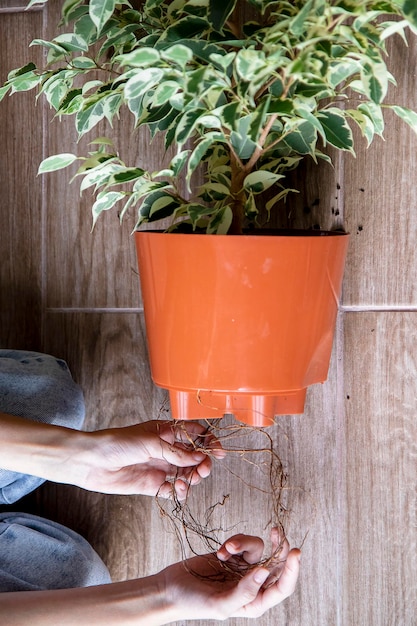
(151, 458)
(229, 583)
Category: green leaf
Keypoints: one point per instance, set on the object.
(407, 115)
(374, 112)
(249, 63)
(127, 175)
(142, 82)
(101, 11)
(83, 63)
(178, 54)
(200, 150)
(197, 211)
(279, 196)
(56, 162)
(3, 91)
(259, 181)
(342, 70)
(187, 124)
(189, 27)
(157, 205)
(240, 139)
(87, 118)
(219, 12)
(34, 2)
(364, 122)
(164, 92)
(375, 81)
(24, 82)
(178, 162)
(303, 139)
(410, 11)
(299, 23)
(72, 42)
(221, 222)
(142, 57)
(104, 202)
(49, 45)
(337, 130)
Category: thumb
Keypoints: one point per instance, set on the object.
(177, 455)
(247, 589)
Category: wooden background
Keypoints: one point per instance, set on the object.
(351, 458)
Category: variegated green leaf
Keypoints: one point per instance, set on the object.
(158, 205)
(164, 92)
(364, 122)
(410, 11)
(87, 118)
(60, 50)
(219, 11)
(337, 130)
(407, 115)
(142, 82)
(142, 57)
(178, 162)
(56, 162)
(200, 150)
(221, 222)
(249, 63)
(83, 63)
(3, 91)
(178, 54)
(101, 11)
(34, 2)
(259, 181)
(72, 42)
(374, 112)
(104, 202)
(374, 81)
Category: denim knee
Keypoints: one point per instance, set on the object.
(38, 387)
(38, 554)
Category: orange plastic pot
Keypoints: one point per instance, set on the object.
(240, 324)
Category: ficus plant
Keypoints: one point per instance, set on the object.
(242, 100)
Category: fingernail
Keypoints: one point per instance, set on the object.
(260, 576)
(198, 456)
(234, 545)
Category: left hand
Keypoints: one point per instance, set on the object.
(151, 458)
(198, 588)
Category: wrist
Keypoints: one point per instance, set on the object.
(40, 449)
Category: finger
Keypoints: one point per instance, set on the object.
(246, 591)
(286, 584)
(266, 599)
(250, 548)
(195, 435)
(178, 489)
(177, 455)
(181, 489)
(280, 549)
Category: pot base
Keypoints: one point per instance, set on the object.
(253, 409)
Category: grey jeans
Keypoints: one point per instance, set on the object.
(36, 553)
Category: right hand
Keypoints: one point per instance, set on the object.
(199, 595)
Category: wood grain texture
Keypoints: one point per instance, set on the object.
(380, 200)
(20, 201)
(351, 463)
(380, 568)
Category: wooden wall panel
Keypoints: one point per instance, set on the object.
(380, 568)
(107, 355)
(21, 140)
(351, 462)
(100, 266)
(380, 201)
